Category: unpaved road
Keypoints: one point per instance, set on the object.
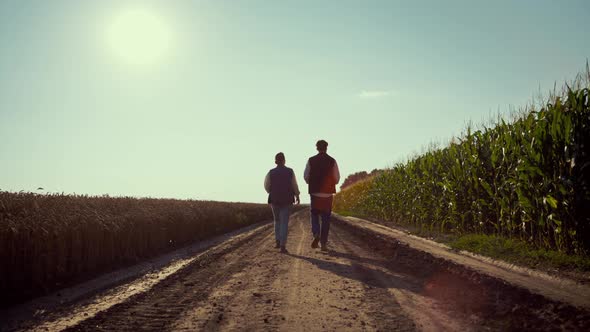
(362, 284)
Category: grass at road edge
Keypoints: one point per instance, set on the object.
(519, 252)
(509, 250)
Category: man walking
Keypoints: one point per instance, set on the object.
(322, 175)
(281, 185)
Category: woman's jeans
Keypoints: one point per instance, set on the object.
(281, 218)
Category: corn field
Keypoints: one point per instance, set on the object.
(527, 179)
(48, 241)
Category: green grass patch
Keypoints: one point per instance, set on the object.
(519, 252)
(347, 214)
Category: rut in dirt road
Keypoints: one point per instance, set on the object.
(361, 284)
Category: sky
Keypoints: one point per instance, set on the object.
(192, 99)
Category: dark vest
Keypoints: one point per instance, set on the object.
(321, 174)
(281, 186)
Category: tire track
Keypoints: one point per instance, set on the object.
(156, 309)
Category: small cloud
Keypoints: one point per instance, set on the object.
(372, 94)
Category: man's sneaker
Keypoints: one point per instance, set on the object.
(278, 244)
(324, 247)
(284, 250)
(316, 240)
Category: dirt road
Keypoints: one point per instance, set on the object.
(361, 284)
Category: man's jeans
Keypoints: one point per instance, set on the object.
(321, 207)
(281, 218)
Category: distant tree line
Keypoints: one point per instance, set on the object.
(358, 176)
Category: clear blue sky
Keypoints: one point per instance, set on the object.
(227, 84)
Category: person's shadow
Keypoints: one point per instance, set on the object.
(360, 270)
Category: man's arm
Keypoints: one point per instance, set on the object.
(295, 188)
(267, 182)
(306, 172)
(336, 173)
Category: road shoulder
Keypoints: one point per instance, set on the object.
(557, 289)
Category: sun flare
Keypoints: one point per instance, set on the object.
(138, 36)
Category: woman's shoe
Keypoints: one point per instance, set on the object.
(316, 240)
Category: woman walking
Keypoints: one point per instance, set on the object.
(281, 185)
